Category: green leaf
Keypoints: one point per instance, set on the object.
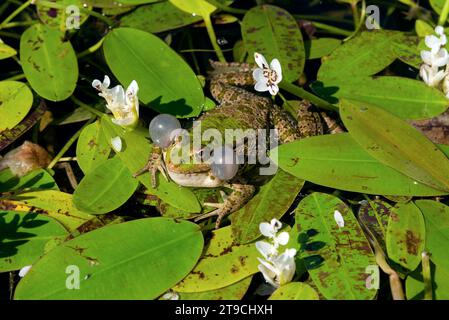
(136, 2)
(271, 201)
(396, 143)
(422, 28)
(35, 180)
(64, 17)
(235, 291)
(362, 56)
(274, 33)
(135, 152)
(56, 204)
(23, 237)
(407, 50)
(158, 17)
(295, 291)
(440, 284)
(335, 257)
(48, 62)
(92, 148)
(148, 255)
(167, 83)
(436, 216)
(223, 263)
(406, 235)
(16, 100)
(405, 98)
(374, 215)
(337, 161)
(6, 51)
(317, 48)
(105, 188)
(195, 7)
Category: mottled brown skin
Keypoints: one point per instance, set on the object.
(240, 108)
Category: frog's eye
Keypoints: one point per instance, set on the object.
(223, 165)
(161, 129)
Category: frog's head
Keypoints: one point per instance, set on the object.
(185, 167)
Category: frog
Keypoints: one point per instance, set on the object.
(238, 107)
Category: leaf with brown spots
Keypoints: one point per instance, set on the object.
(335, 257)
(395, 143)
(223, 263)
(274, 33)
(272, 201)
(406, 235)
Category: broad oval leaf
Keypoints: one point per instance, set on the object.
(16, 100)
(56, 204)
(23, 236)
(374, 215)
(92, 148)
(140, 259)
(364, 55)
(405, 98)
(48, 62)
(295, 291)
(406, 235)
(396, 143)
(271, 201)
(167, 83)
(436, 217)
(135, 152)
(105, 188)
(223, 263)
(337, 161)
(158, 17)
(274, 33)
(235, 291)
(335, 257)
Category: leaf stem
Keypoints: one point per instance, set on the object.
(68, 144)
(213, 38)
(426, 276)
(16, 77)
(90, 50)
(15, 13)
(355, 14)
(444, 13)
(19, 24)
(332, 29)
(88, 108)
(300, 92)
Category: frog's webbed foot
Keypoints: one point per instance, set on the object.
(240, 194)
(155, 163)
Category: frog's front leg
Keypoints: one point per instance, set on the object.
(155, 163)
(239, 196)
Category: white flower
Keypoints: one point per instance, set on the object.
(438, 59)
(434, 42)
(24, 271)
(276, 269)
(279, 270)
(339, 219)
(170, 295)
(116, 144)
(270, 230)
(123, 105)
(446, 85)
(267, 76)
(434, 59)
(431, 75)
